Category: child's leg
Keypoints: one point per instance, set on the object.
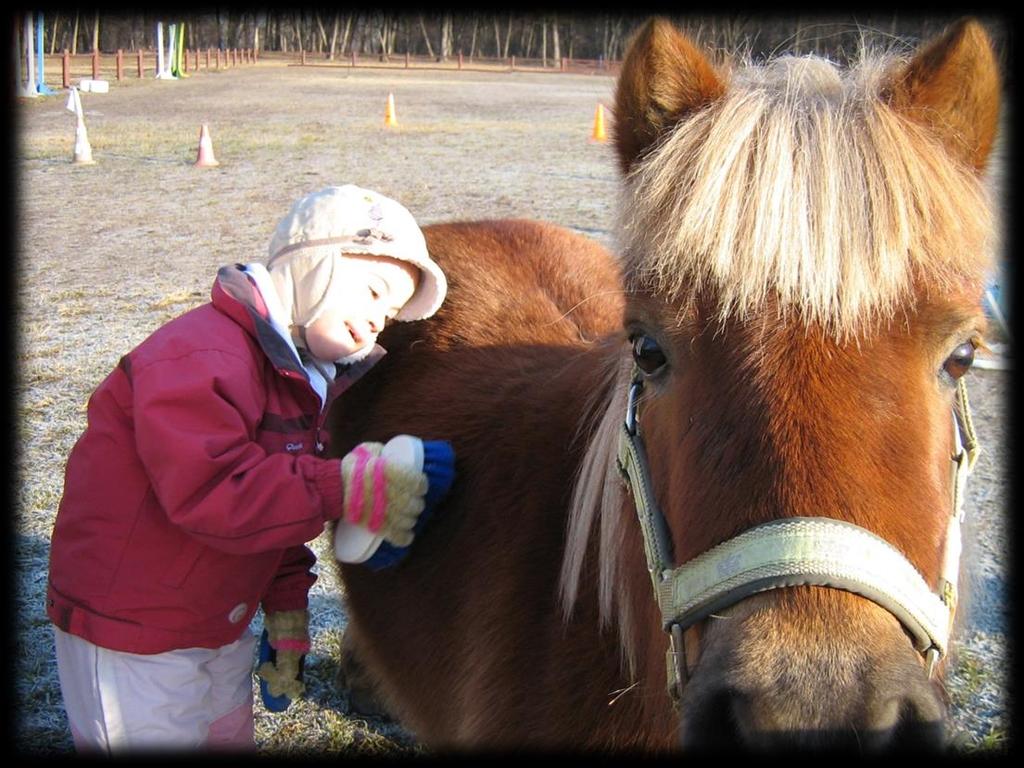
(117, 701)
(231, 696)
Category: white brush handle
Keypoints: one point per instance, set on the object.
(354, 543)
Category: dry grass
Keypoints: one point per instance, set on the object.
(111, 251)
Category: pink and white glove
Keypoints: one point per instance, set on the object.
(383, 497)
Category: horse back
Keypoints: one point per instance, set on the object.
(504, 371)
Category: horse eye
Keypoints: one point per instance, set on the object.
(648, 355)
(960, 361)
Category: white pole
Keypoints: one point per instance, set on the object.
(170, 49)
(30, 57)
(160, 49)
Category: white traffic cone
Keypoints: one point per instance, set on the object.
(205, 159)
(83, 152)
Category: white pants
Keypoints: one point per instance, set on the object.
(186, 699)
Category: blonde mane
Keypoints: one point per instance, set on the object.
(801, 185)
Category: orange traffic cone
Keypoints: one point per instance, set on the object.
(390, 121)
(205, 159)
(83, 151)
(599, 134)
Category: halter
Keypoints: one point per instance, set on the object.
(814, 551)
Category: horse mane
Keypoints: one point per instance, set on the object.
(804, 185)
(801, 185)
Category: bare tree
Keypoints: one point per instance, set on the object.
(426, 37)
(446, 36)
(554, 39)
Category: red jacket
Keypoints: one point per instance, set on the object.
(189, 496)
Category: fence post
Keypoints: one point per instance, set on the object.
(513, 63)
(196, 60)
(119, 64)
(303, 57)
(207, 58)
(460, 59)
(65, 67)
(96, 64)
(353, 57)
(406, 59)
(218, 58)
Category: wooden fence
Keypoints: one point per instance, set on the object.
(63, 70)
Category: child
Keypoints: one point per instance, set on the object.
(190, 496)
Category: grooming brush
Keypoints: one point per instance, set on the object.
(436, 459)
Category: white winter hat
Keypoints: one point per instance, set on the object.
(347, 220)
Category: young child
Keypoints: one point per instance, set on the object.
(201, 474)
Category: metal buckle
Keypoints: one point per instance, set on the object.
(678, 675)
(931, 658)
(631, 405)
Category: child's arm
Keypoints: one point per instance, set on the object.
(196, 418)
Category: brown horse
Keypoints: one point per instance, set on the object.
(803, 252)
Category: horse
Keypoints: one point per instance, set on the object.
(767, 371)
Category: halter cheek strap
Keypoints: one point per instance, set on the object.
(796, 551)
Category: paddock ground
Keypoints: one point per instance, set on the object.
(108, 252)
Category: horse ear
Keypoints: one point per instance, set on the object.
(664, 77)
(952, 86)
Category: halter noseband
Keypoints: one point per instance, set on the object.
(815, 551)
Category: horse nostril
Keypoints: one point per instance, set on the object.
(919, 727)
(712, 722)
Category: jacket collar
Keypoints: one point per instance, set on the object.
(236, 295)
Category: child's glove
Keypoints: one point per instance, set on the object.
(384, 497)
(283, 648)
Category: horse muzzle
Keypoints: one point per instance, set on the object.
(809, 668)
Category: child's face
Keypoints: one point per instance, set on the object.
(365, 292)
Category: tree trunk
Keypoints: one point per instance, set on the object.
(446, 36)
(74, 36)
(53, 36)
(237, 38)
(348, 33)
(472, 41)
(382, 37)
(334, 35)
(426, 37)
(96, 32)
(554, 40)
(508, 38)
(298, 32)
(323, 32)
(544, 43)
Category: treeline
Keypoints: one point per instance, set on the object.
(337, 32)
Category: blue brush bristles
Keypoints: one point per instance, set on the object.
(439, 467)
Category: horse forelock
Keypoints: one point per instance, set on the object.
(803, 184)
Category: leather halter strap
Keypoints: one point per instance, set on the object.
(788, 552)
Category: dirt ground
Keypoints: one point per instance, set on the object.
(110, 251)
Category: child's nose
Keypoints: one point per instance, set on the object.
(377, 321)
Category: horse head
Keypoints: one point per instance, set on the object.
(804, 250)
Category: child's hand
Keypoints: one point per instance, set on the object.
(382, 496)
(283, 649)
